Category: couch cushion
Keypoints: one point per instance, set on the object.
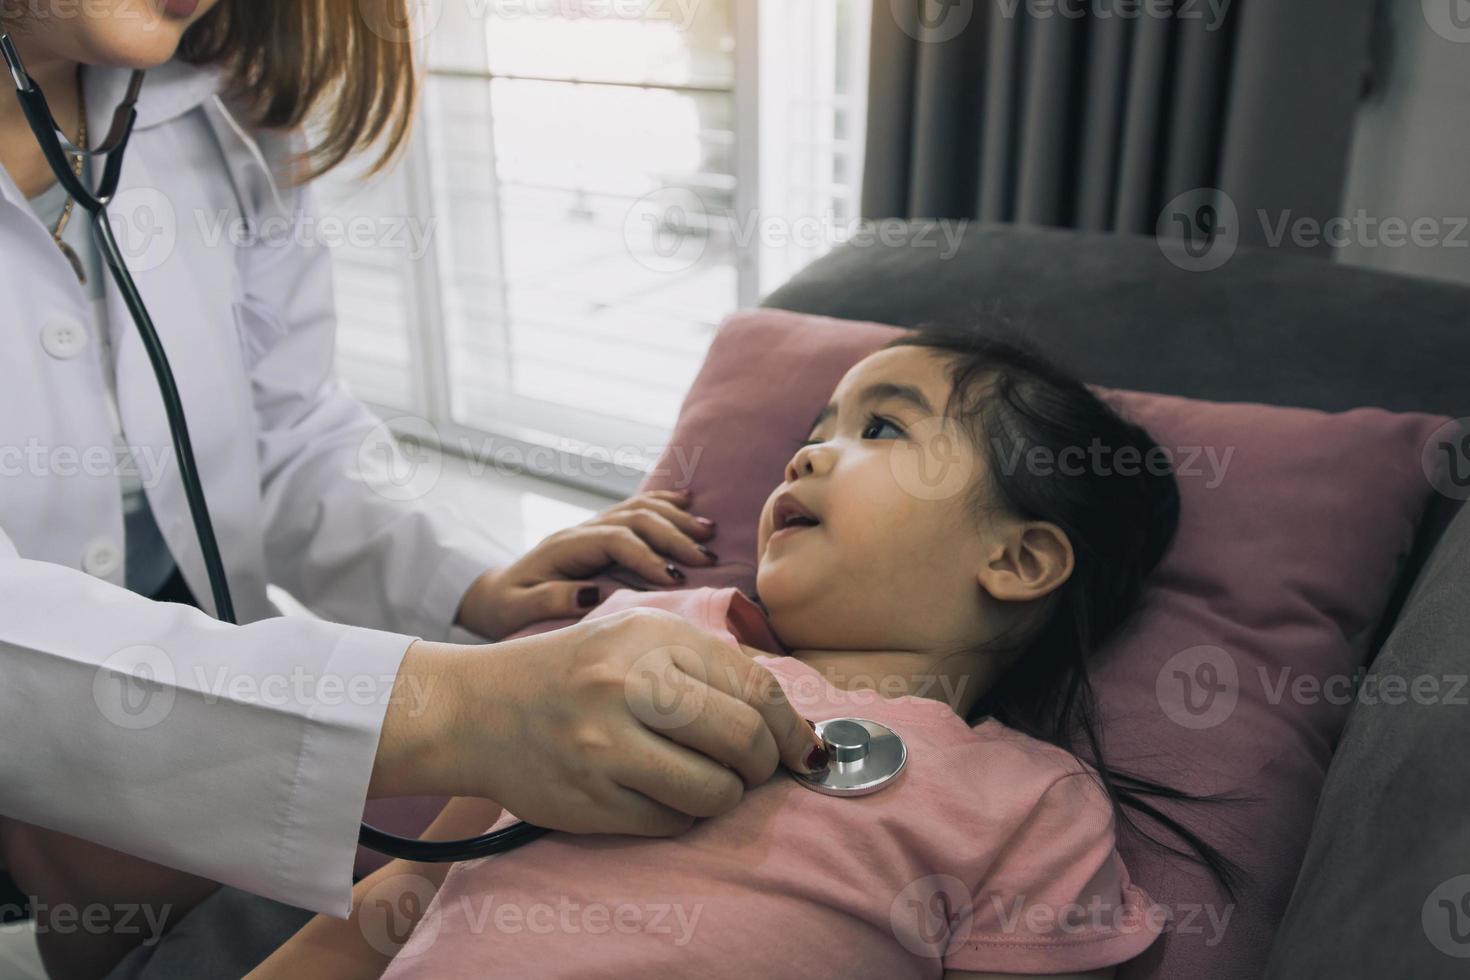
(1385, 885)
(1264, 327)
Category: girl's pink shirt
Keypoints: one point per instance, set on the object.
(991, 852)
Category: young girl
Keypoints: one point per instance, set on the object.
(955, 604)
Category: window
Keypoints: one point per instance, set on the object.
(593, 186)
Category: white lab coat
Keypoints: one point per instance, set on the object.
(246, 758)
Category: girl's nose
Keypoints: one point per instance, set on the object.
(812, 460)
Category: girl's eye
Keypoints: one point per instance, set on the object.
(876, 424)
(872, 430)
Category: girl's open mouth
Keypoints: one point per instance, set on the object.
(781, 533)
(790, 513)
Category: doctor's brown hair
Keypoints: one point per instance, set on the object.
(288, 59)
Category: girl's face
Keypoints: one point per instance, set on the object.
(115, 33)
(891, 561)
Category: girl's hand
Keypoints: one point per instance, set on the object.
(641, 534)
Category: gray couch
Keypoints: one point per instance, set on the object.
(1378, 894)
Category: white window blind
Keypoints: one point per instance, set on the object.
(588, 194)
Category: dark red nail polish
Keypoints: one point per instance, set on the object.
(587, 596)
(816, 758)
(708, 554)
(674, 572)
(706, 522)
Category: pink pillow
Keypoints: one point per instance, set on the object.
(1275, 568)
(1236, 674)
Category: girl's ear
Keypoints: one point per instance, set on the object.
(1032, 559)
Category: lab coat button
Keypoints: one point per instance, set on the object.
(102, 558)
(63, 339)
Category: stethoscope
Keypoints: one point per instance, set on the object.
(864, 756)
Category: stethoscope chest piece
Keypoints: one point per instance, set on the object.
(863, 757)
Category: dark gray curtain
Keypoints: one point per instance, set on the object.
(998, 111)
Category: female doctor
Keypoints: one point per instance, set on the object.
(220, 762)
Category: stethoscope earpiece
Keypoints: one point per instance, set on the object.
(863, 757)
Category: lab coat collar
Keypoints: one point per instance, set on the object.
(169, 91)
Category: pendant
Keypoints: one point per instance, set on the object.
(75, 260)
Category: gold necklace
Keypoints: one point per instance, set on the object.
(71, 203)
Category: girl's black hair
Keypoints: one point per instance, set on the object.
(1120, 521)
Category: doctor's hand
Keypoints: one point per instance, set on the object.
(633, 723)
(642, 534)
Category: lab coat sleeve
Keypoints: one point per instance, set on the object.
(349, 528)
(239, 753)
